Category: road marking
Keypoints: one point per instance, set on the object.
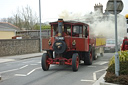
(94, 73)
(100, 80)
(94, 76)
(88, 80)
(13, 69)
(91, 66)
(101, 62)
(20, 75)
(28, 72)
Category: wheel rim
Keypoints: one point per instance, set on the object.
(77, 62)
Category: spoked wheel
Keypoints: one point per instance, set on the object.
(44, 62)
(88, 58)
(75, 62)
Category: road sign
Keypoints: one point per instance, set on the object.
(110, 6)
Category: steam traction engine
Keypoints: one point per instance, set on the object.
(69, 43)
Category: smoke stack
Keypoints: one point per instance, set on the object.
(98, 7)
(60, 24)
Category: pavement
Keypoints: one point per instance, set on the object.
(19, 57)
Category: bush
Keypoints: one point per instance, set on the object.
(112, 78)
(110, 75)
(123, 56)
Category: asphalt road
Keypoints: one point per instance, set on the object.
(29, 72)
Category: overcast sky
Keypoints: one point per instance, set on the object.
(52, 8)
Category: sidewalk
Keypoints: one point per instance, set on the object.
(19, 57)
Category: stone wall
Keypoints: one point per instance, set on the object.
(18, 46)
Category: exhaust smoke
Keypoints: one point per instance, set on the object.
(100, 24)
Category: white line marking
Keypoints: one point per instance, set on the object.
(100, 70)
(100, 80)
(88, 80)
(14, 69)
(94, 76)
(20, 75)
(103, 63)
(94, 73)
(28, 72)
(91, 66)
(31, 72)
(23, 67)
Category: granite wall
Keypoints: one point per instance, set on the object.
(19, 46)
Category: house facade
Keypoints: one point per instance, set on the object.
(7, 30)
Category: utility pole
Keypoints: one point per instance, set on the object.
(40, 26)
(116, 41)
(115, 7)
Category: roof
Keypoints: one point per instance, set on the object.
(4, 26)
(70, 22)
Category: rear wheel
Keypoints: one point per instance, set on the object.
(94, 55)
(101, 54)
(88, 58)
(75, 62)
(44, 62)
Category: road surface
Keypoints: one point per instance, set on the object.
(29, 72)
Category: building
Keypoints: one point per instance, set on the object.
(98, 7)
(7, 30)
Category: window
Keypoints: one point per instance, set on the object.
(55, 29)
(77, 29)
(110, 41)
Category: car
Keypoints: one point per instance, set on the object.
(110, 45)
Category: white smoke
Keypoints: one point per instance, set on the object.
(100, 24)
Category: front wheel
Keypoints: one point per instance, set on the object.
(75, 62)
(44, 62)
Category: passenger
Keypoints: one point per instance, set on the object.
(125, 44)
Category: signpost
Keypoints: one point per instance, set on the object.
(115, 7)
(40, 26)
(111, 7)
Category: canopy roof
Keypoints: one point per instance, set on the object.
(70, 22)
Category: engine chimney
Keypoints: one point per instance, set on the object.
(60, 24)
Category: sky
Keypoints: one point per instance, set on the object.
(51, 9)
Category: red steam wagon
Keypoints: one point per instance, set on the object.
(70, 43)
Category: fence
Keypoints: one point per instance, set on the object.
(33, 34)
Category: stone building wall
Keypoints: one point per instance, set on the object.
(18, 46)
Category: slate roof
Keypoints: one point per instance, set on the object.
(8, 27)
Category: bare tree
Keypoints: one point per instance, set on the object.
(23, 18)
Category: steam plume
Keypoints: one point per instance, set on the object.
(100, 24)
